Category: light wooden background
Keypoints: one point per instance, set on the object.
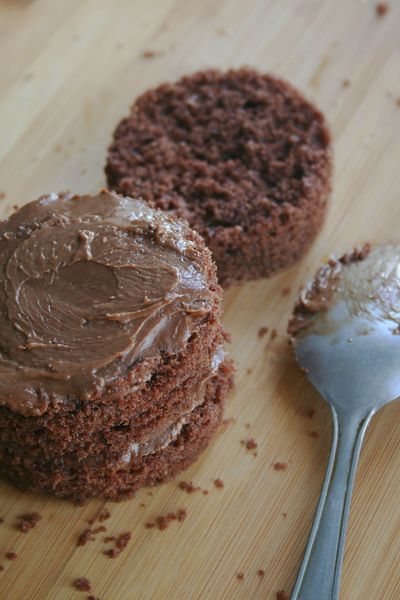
(68, 71)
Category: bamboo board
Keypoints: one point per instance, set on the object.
(68, 71)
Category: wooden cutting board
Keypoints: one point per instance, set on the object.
(68, 71)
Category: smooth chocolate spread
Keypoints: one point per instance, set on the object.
(88, 287)
(364, 285)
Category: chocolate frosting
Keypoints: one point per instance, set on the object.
(366, 283)
(89, 286)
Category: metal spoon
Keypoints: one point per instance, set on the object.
(346, 337)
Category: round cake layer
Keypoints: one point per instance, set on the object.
(93, 289)
(243, 156)
(117, 470)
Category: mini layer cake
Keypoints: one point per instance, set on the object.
(112, 365)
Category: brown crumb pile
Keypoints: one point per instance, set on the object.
(82, 584)
(162, 522)
(28, 521)
(262, 331)
(382, 8)
(121, 543)
(281, 595)
(188, 487)
(218, 483)
(240, 576)
(11, 555)
(280, 466)
(261, 572)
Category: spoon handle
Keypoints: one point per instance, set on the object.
(319, 575)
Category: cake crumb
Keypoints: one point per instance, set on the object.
(92, 598)
(382, 8)
(280, 466)
(142, 505)
(314, 434)
(281, 595)
(85, 537)
(100, 529)
(247, 425)
(2, 195)
(163, 521)
(1, 520)
(151, 53)
(286, 291)
(188, 487)
(109, 538)
(274, 333)
(240, 576)
(104, 515)
(284, 515)
(1, 568)
(121, 543)
(310, 413)
(345, 83)
(250, 444)
(261, 572)
(249, 371)
(218, 483)
(262, 331)
(82, 584)
(205, 492)
(398, 101)
(28, 521)
(11, 555)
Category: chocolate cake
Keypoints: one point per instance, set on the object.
(112, 365)
(241, 155)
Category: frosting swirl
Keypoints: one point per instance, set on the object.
(89, 286)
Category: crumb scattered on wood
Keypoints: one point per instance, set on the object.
(274, 333)
(218, 483)
(250, 444)
(151, 53)
(1, 520)
(262, 331)
(310, 413)
(28, 521)
(286, 291)
(188, 487)
(345, 83)
(382, 8)
(1, 568)
(284, 515)
(2, 195)
(240, 576)
(279, 466)
(205, 492)
(261, 572)
(82, 584)
(163, 521)
(11, 555)
(121, 542)
(249, 371)
(314, 434)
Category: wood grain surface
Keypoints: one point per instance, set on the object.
(69, 70)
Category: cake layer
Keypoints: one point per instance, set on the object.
(109, 473)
